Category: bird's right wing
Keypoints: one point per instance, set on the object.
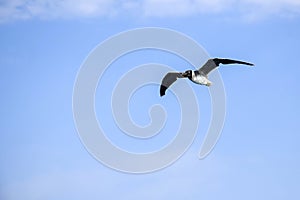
(169, 78)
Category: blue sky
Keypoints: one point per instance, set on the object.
(44, 43)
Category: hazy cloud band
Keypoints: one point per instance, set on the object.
(11, 10)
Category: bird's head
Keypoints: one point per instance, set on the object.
(187, 74)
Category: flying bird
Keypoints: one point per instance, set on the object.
(197, 76)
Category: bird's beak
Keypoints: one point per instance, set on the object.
(184, 74)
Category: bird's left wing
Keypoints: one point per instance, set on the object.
(169, 78)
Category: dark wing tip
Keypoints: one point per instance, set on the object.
(216, 61)
(230, 61)
(246, 63)
(163, 90)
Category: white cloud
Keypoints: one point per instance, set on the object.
(183, 7)
(18, 9)
(256, 9)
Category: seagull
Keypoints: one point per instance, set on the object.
(198, 76)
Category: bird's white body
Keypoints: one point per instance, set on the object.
(200, 79)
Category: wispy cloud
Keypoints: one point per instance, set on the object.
(256, 9)
(18, 9)
(184, 8)
(11, 10)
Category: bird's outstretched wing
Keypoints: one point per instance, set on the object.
(169, 78)
(211, 64)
